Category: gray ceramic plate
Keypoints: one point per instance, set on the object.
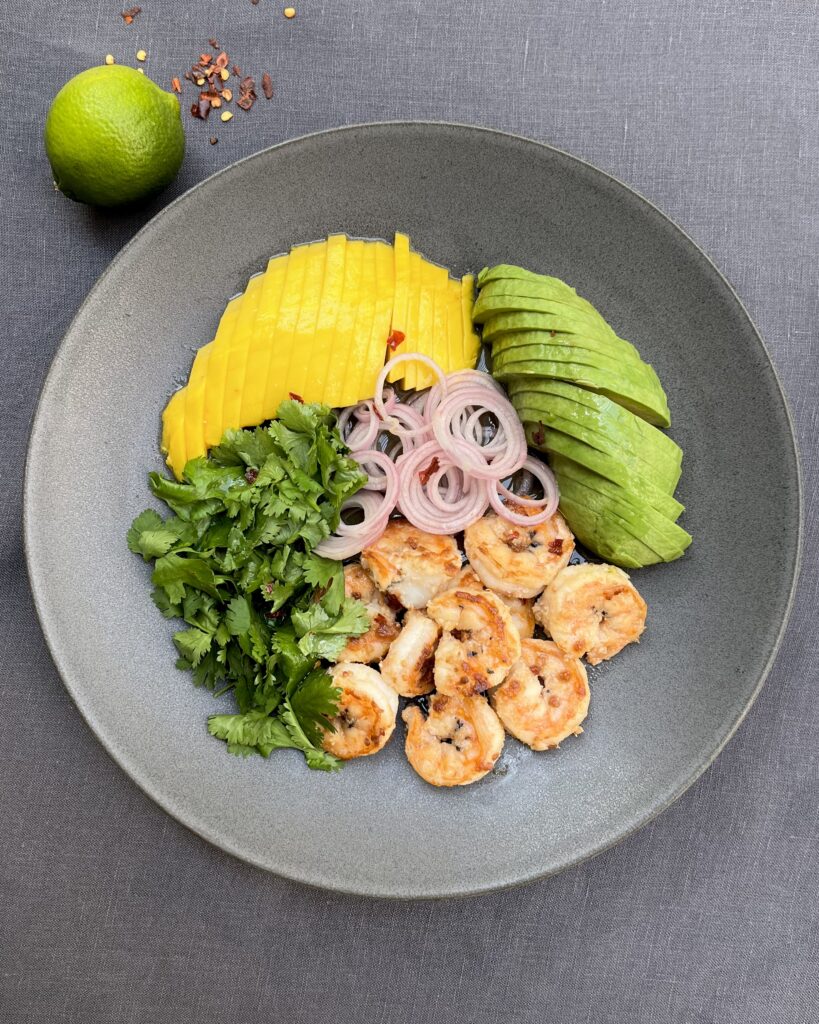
(660, 712)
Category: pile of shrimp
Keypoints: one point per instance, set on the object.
(455, 636)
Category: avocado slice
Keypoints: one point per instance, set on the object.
(547, 350)
(574, 334)
(611, 503)
(506, 271)
(605, 536)
(524, 320)
(546, 288)
(598, 412)
(490, 304)
(650, 404)
(662, 473)
(612, 469)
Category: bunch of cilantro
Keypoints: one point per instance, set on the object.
(235, 560)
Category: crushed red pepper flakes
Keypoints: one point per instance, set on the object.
(213, 140)
(237, 71)
(395, 339)
(267, 86)
(425, 474)
(296, 398)
(176, 85)
(214, 44)
(556, 546)
(129, 15)
(539, 435)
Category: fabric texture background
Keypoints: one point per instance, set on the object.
(110, 911)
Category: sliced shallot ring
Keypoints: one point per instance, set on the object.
(547, 504)
(403, 357)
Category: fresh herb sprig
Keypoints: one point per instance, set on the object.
(235, 561)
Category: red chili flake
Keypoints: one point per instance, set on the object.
(254, 2)
(237, 71)
(222, 60)
(267, 86)
(274, 615)
(251, 474)
(556, 546)
(296, 398)
(425, 474)
(188, 76)
(129, 15)
(176, 85)
(247, 93)
(539, 434)
(195, 111)
(213, 140)
(213, 43)
(395, 340)
(205, 58)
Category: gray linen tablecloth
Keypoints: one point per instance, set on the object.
(109, 909)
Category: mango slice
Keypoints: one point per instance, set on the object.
(316, 323)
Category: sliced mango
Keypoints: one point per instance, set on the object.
(471, 341)
(316, 323)
(319, 358)
(255, 407)
(363, 329)
(238, 349)
(381, 320)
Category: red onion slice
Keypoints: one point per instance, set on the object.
(547, 504)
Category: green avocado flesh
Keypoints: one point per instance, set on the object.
(640, 400)
(587, 399)
(548, 288)
(487, 306)
(605, 536)
(597, 412)
(544, 349)
(610, 503)
(497, 324)
(527, 329)
(615, 473)
(602, 431)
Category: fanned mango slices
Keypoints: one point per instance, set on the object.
(315, 323)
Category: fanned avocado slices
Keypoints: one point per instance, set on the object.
(594, 406)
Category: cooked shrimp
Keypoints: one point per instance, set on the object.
(366, 715)
(519, 607)
(593, 610)
(544, 697)
(458, 742)
(408, 666)
(410, 564)
(523, 616)
(375, 643)
(518, 561)
(480, 642)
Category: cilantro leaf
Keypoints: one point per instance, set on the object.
(314, 702)
(193, 644)
(323, 635)
(235, 561)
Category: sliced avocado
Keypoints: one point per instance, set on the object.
(489, 304)
(612, 469)
(662, 473)
(604, 536)
(524, 320)
(611, 503)
(545, 349)
(546, 288)
(505, 271)
(612, 514)
(651, 404)
(608, 346)
(594, 410)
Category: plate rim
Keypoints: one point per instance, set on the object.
(37, 585)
